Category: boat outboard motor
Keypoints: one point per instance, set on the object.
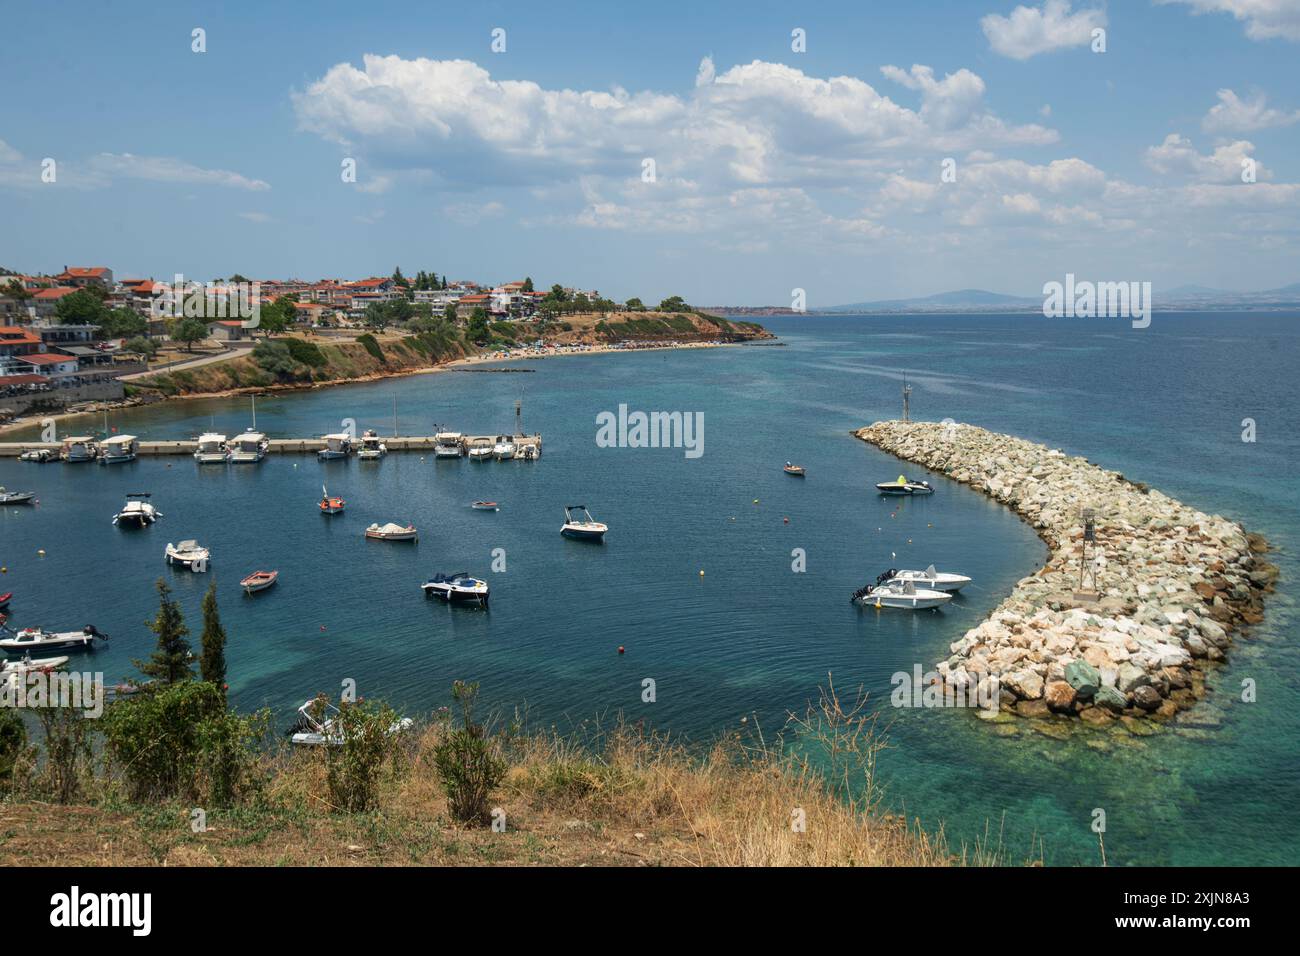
(93, 631)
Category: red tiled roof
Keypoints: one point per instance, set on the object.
(85, 272)
(56, 293)
(13, 335)
(44, 358)
(6, 380)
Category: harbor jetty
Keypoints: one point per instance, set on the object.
(528, 446)
(1122, 622)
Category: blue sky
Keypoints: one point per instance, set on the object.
(774, 169)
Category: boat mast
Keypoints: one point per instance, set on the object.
(519, 421)
(394, 416)
(254, 398)
(907, 395)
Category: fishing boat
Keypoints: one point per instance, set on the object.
(480, 450)
(138, 512)
(16, 497)
(795, 470)
(904, 486)
(585, 529)
(248, 448)
(530, 452)
(372, 447)
(458, 588)
(336, 446)
(485, 506)
(33, 638)
(932, 579)
(189, 554)
(392, 532)
(117, 450)
(259, 581)
(318, 724)
(330, 505)
(79, 449)
(890, 592)
(504, 449)
(39, 455)
(448, 445)
(212, 449)
(27, 665)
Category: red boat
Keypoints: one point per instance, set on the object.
(330, 505)
(4, 599)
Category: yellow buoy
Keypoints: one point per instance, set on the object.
(41, 552)
(701, 572)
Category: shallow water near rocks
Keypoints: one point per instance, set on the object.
(749, 640)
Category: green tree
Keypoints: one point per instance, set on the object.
(187, 332)
(146, 347)
(212, 643)
(15, 289)
(170, 663)
(478, 330)
(674, 304)
(449, 313)
(528, 283)
(81, 308)
(123, 323)
(635, 305)
(277, 316)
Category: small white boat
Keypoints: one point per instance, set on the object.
(485, 506)
(39, 455)
(933, 580)
(117, 450)
(316, 724)
(899, 594)
(188, 554)
(212, 449)
(372, 448)
(448, 445)
(504, 449)
(392, 532)
(16, 497)
(336, 446)
(586, 528)
(481, 450)
(33, 638)
(259, 581)
(79, 449)
(248, 448)
(27, 665)
(458, 588)
(795, 470)
(904, 486)
(138, 512)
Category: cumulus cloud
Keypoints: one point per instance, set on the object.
(1176, 156)
(1264, 19)
(1235, 115)
(1029, 31)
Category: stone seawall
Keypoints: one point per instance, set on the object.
(1172, 583)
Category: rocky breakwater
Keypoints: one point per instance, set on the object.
(1172, 583)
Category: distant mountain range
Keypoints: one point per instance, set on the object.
(1184, 298)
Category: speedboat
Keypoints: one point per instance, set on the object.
(79, 449)
(117, 450)
(212, 449)
(504, 449)
(795, 470)
(481, 450)
(392, 532)
(932, 579)
(330, 505)
(189, 554)
(336, 446)
(33, 638)
(248, 448)
(485, 506)
(16, 497)
(372, 449)
(39, 455)
(887, 592)
(458, 588)
(585, 529)
(317, 725)
(138, 512)
(904, 486)
(448, 445)
(259, 581)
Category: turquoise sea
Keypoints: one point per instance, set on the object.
(750, 639)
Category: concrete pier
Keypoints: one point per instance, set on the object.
(288, 446)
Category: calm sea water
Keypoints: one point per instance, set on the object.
(749, 639)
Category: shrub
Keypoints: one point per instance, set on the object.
(13, 744)
(371, 345)
(468, 762)
(67, 750)
(354, 766)
(274, 357)
(308, 353)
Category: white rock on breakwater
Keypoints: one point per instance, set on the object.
(1173, 582)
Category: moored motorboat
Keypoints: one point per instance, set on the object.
(796, 470)
(259, 581)
(448, 445)
(189, 554)
(890, 592)
(458, 588)
(504, 449)
(372, 447)
(904, 486)
(336, 446)
(586, 528)
(79, 449)
(318, 724)
(33, 638)
(16, 497)
(211, 449)
(138, 512)
(480, 450)
(117, 450)
(932, 579)
(392, 532)
(39, 455)
(248, 448)
(330, 505)
(485, 506)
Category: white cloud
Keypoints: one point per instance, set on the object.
(165, 169)
(1235, 115)
(1029, 31)
(469, 214)
(1176, 156)
(255, 216)
(1264, 19)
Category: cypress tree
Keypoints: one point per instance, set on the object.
(212, 656)
(170, 662)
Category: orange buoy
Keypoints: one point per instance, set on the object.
(786, 520)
